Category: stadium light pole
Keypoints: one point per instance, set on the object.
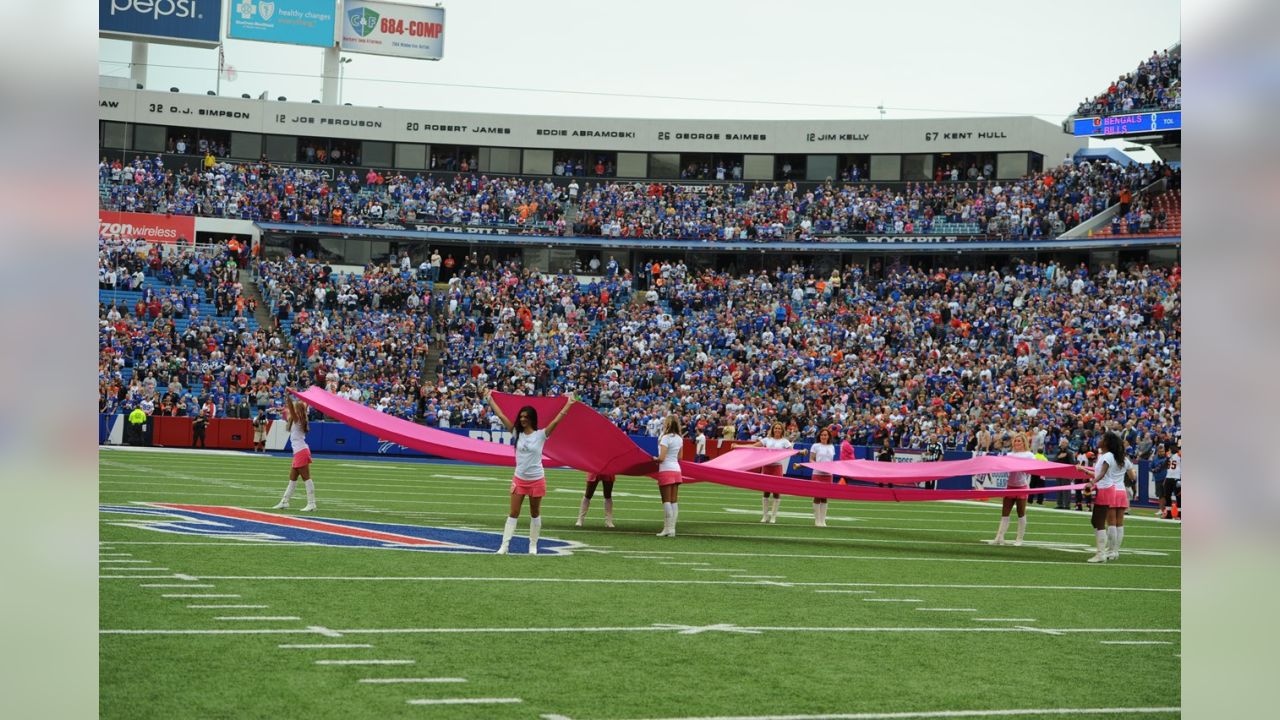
(342, 66)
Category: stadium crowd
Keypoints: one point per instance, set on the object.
(905, 354)
(1041, 205)
(1155, 85)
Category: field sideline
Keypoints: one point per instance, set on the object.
(893, 611)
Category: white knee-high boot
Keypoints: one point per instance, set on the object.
(1004, 526)
(582, 511)
(288, 495)
(773, 510)
(764, 509)
(1022, 530)
(311, 496)
(1115, 546)
(817, 514)
(608, 512)
(535, 527)
(1100, 539)
(507, 531)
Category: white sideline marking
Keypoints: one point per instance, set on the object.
(847, 592)
(553, 716)
(172, 585)
(1004, 619)
(737, 570)
(140, 569)
(190, 578)
(310, 646)
(258, 617)
(921, 558)
(199, 595)
(944, 714)
(364, 662)
(229, 607)
(324, 631)
(387, 681)
(115, 554)
(641, 581)
(632, 628)
(1039, 630)
(646, 557)
(684, 563)
(948, 609)
(104, 562)
(1136, 642)
(891, 600)
(759, 577)
(464, 701)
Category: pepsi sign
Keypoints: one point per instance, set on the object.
(177, 22)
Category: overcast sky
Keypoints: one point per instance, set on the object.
(919, 58)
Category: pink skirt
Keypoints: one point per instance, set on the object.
(821, 477)
(1114, 497)
(532, 488)
(775, 470)
(301, 459)
(669, 477)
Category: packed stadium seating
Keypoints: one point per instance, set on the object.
(1042, 205)
(1156, 84)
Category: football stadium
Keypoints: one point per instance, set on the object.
(416, 410)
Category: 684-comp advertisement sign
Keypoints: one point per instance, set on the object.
(383, 28)
(177, 22)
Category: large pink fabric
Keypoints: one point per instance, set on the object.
(587, 441)
(408, 434)
(700, 472)
(749, 458)
(584, 439)
(914, 472)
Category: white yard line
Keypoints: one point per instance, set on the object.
(142, 562)
(199, 595)
(258, 617)
(1136, 642)
(658, 628)
(657, 581)
(365, 662)
(465, 701)
(948, 609)
(137, 569)
(942, 714)
(228, 607)
(1003, 619)
(847, 592)
(317, 646)
(905, 600)
(393, 681)
(759, 577)
(171, 585)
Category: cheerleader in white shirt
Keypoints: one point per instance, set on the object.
(529, 479)
(776, 440)
(669, 477)
(1017, 481)
(295, 417)
(1110, 499)
(592, 481)
(821, 451)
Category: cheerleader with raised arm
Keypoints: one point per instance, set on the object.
(295, 417)
(777, 440)
(530, 479)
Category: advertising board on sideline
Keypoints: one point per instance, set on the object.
(151, 227)
(384, 28)
(292, 22)
(174, 22)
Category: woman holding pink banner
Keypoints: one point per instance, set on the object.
(530, 478)
(295, 417)
(1110, 499)
(669, 477)
(821, 451)
(1017, 481)
(776, 440)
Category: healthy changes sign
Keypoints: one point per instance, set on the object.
(383, 28)
(295, 22)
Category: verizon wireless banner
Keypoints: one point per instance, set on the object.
(147, 226)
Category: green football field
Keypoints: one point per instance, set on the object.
(896, 610)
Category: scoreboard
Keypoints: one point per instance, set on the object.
(1162, 121)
